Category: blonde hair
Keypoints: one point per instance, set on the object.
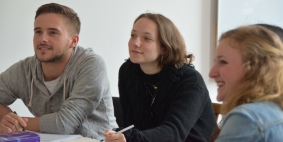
(262, 56)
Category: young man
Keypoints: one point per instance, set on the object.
(64, 85)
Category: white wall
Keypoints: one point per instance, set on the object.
(235, 13)
(106, 27)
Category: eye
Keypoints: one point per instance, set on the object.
(133, 35)
(147, 39)
(222, 62)
(53, 32)
(37, 32)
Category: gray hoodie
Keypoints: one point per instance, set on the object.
(81, 103)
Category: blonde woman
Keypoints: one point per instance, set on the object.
(248, 71)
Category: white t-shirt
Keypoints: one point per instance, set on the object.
(51, 84)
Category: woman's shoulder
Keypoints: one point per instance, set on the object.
(189, 70)
(127, 65)
(246, 122)
(257, 108)
(128, 69)
(189, 74)
(262, 113)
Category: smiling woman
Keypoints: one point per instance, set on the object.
(252, 95)
(145, 34)
(160, 91)
(228, 68)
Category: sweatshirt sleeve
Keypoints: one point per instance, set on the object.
(9, 84)
(86, 95)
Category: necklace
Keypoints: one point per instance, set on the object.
(154, 86)
(153, 96)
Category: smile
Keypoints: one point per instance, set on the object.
(219, 84)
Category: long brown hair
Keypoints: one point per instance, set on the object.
(171, 41)
(262, 56)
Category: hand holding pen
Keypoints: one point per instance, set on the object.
(111, 135)
(23, 128)
(11, 122)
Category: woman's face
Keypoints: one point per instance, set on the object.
(228, 68)
(144, 45)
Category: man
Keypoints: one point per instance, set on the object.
(64, 85)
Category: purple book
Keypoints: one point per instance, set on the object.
(19, 137)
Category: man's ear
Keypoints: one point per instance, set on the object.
(75, 40)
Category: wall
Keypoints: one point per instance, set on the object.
(106, 27)
(232, 14)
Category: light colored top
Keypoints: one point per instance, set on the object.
(52, 84)
(81, 103)
(253, 122)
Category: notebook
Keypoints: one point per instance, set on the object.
(23, 136)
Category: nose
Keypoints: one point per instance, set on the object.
(137, 42)
(213, 72)
(42, 38)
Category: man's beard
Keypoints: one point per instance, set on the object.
(55, 57)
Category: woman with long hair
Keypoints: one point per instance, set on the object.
(161, 93)
(248, 71)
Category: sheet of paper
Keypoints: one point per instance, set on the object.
(83, 139)
(56, 137)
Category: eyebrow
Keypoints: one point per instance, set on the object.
(53, 29)
(147, 33)
(220, 56)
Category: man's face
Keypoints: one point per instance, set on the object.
(51, 40)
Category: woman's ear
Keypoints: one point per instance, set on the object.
(163, 51)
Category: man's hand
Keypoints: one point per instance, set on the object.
(11, 123)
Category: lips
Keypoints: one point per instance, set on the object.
(136, 52)
(44, 47)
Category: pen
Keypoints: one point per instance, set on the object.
(23, 128)
(121, 131)
(125, 129)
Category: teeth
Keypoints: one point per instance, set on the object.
(219, 84)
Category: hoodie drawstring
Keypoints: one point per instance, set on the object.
(64, 89)
(31, 93)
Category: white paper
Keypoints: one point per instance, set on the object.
(55, 137)
(83, 139)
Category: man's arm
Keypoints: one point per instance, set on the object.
(4, 110)
(33, 124)
(10, 122)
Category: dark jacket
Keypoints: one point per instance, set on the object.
(182, 110)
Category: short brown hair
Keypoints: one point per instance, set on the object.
(72, 18)
(171, 41)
